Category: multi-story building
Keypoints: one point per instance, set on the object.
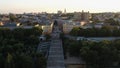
(85, 16)
(67, 27)
(1, 23)
(5, 19)
(103, 16)
(59, 12)
(47, 29)
(77, 16)
(81, 16)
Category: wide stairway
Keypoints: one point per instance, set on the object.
(56, 57)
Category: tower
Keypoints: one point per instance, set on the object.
(64, 11)
(82, 16)
(85, 16)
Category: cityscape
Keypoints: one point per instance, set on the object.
(72, 35)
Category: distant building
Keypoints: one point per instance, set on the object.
(77, 16)
(103, 16)
(67, 27)
(1, 23)
(10, 25)
(59, 12)
(65, 11)
(85, 16)
(5, 19)
(81, 16)
(83, 23)
(47, 29)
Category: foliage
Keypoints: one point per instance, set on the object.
(105, 31)
(18, 48)
(40, 61)
(47, 36)
(96, 54)
(12, 18)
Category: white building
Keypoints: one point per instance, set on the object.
(47, 28)
(67, 27)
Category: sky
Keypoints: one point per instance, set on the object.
(52, 6)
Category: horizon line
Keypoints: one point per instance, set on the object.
(56, 12)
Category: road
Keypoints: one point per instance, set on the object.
(56, 57)
(96, 39)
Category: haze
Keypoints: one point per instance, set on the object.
(51, 6)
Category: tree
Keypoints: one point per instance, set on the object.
(23, 61)
(74, 49)
(18, 34)
(32, 40)
(47, 36)
(2, 61)
(74, 31)
(18, 47)
(12, 17)
(37, 31)
(105, 31)
(9, 61)
(99, 55)
(40, 61)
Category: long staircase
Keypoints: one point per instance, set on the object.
(56, 56)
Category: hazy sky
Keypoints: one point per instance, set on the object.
(20, 6)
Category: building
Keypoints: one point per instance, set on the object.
(59, 12)
(5, 18)
(77, 16)
(81, 16)
(67, 27)
(85, 16)
(65, 11)
(47, 29)
(10, 25)
(1, 23)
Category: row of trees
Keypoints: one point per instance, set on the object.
(18, 48)
(95, 32)
(96, 54)
(102, 54)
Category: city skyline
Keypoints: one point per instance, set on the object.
(52, 6)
